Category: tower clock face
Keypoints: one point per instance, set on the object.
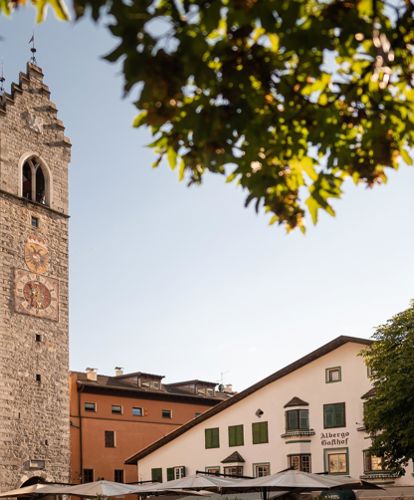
(36, 295)
(36, 255)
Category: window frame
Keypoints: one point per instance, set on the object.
(301, 457)
(141, 410)
(258, 425)
(261, 464)
(238, 468)
(164, 413)
(93, 410)
(213, 469)
(214, 440)
(336, 451)
(367, 457)
(335, 425)
(330, 371)
(156, 472)
(236, 438)
(122, 475)
(120, 412)
(298, 413)
(109, 442)
(84, 475)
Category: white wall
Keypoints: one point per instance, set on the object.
(307, 383)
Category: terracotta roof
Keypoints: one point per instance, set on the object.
(233, 458)
(195, 381)
(318, 353)
(296, 402)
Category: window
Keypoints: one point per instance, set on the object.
(166, 413)
(334, 415)
(297, 420)
(215, 469)
(175, 473)
(38, 337)
(34, 182)
(260, 432)
(87, 475)
(119, 475)
(333, 374)
(35, 222)
(137, 411)
(300, 462)
(109, 439)
(38, 377)
(212, 438)
(117, 409)
(260, 470)
(234, 470)
(89, 406)
(236, 437)
(372, 463)
(156, 475)
(336, 461)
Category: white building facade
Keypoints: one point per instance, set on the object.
(308, 415)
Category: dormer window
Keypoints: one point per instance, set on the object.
(35, 185)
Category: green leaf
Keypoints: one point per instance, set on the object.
(140, 119)
(406, 157)
(172, 157)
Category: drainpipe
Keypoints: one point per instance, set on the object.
(80, 435)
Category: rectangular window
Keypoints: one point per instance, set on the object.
(35, 224)
(38, 377)
(260, 470)
(236, 435)
(166, 413)
(333, 374)
(156, 475)
(297, 420)
(117, 409)
(109, 439)
(214, 469)
(334, 415)
(212, 438)
(300, 462)
(235, 470)
(137, 411)
(89, 406)
(175, 473)
(336, 461)
(87, 475)
(372, 463)
(38, 337)
(260, 432)
(119, 475)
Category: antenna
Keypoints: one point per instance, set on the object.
(33, 49)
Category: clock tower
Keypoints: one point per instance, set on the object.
(34, 400)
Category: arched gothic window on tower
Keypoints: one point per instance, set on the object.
(34, 186)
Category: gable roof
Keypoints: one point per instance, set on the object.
(235, 457)
(314, 355)
(296, 402)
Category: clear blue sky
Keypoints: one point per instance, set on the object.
(188, 283)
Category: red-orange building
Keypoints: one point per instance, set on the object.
(112, 417)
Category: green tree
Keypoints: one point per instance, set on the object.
(288, 98)
(389, 416)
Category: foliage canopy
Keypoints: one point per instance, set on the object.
(288, 98)
(389, 412)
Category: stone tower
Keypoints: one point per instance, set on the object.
(34, 401)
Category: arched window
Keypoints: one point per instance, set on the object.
(35, 183)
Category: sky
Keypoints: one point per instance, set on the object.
(186, 282)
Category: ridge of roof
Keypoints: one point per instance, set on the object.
(299, 363)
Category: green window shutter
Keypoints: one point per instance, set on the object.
(292, 420)
(304, 419)
(183, 474)
(334, 415)
(340, 414)
(236, 435)
(260, 432)
(156, 475)
(212, 438)
(170, 473)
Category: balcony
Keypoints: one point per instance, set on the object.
(298, 433)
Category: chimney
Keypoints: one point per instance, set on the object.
(228, 388)
(92, 374)
(119, 371)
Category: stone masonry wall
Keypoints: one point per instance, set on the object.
(34, 415)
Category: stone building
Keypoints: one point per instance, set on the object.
(34, 396)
